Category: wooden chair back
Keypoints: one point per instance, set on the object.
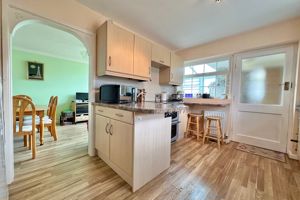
(20, 105)
(49, 105)
(25, 96)
(52, 108)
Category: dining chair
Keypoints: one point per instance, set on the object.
(50, 119)
(20, 104)
(25, 96)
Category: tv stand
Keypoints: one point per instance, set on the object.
(81, 111)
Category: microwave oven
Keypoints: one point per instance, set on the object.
(117, 94)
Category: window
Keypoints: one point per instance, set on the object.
(207, 77)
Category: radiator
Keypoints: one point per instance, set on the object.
(220, 114)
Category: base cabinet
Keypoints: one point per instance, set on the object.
(136, 146)
(113, 140)
(121, 145)
(102, 136)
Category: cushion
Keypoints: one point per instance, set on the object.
(47, 120)
(24, 128)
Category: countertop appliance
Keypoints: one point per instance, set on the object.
(117, 94)
(176, 98)
(164, 97)
(174, 125)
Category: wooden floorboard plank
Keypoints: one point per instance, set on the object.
(63, 170)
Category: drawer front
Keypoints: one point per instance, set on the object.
(101, 111)
(121, 115)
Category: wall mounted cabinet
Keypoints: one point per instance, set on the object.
(121, 53)
(160, 56)
(114, 50)
(142, 57)
(174, 74)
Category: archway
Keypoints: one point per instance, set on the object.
(86, 39)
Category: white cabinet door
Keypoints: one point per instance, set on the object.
(102, 135)
(120, 49)
(177, 69)
(161, 54)
(121, 141)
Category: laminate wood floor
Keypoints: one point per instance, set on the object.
(63, 170)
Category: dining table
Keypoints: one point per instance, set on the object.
(40, 112)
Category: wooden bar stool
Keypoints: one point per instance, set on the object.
(195, 125)
(217, 128)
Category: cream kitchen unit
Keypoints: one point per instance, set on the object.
(134, 140)
(160, 56)
(124, 54)
(172, 75)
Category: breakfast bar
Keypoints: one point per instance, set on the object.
(213, 107)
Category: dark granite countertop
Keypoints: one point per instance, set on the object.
(147, 107)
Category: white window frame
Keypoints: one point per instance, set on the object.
(227, 73)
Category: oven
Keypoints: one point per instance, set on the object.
(174, 125)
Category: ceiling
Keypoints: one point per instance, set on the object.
(180, 24)
(46, 40)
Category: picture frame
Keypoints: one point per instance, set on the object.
(35, 71)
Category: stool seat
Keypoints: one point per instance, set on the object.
(213, 118)
(217, 128)
(195, 125)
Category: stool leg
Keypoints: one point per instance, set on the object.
(187, 127)
(205, 131)
(198, 129)
(218, 134)
(222, 137)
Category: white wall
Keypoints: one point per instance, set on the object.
(276, 34)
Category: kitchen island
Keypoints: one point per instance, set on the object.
(135, 139)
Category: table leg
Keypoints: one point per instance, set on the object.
(41, 129)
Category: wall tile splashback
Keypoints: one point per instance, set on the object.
(152, 87)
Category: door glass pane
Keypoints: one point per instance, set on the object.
(261, 79)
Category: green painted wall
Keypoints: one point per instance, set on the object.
(62, 78)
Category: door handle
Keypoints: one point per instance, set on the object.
(110, 130)
(106, 128)
(119, 115)
(286, 85)
(109, 61)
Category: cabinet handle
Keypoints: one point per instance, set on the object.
(119, 115)
(161, 61)
(100, 110)
(110, 130)
(106, 128)
(109, 60)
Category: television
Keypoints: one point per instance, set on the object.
(82, 96)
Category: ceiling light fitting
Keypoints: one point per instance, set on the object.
(218, 1)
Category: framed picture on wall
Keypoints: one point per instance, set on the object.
(35, 71)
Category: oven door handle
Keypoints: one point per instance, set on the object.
(175, 122)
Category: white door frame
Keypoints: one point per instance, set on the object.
(14, 18)
(292, 103)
